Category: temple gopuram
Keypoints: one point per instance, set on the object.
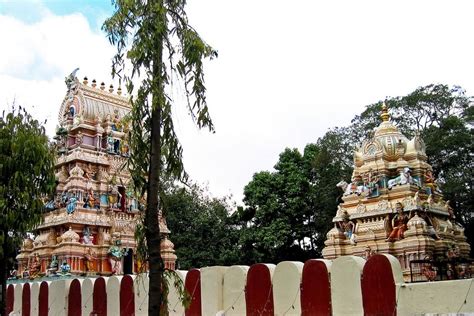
(394, 205)
(89, 225)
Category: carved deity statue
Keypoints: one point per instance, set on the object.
(65, 268)
(87, 237)
(404, 178)
(371, 183)
(53, 266)
(348, 228)
(89, 259)
(35, 266)
(116, 254)
(429, 221)
(399, 224)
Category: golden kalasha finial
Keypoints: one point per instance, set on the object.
(84, 81)
(111, 88)
(119, 91)
(385, 116)
(94, 83)
(102, 86)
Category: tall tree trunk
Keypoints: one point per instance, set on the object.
(151, 217)
(154, 186)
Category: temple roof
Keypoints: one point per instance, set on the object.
(92, 102)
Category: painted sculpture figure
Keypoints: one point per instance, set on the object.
(53, 266)
(348, 228)
(89, 259)
(399, 224)
(116, 253)
(94, 199)
(65, 269)
(404, 178)
(393, 204)
(35, 266)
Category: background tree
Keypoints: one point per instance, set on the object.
(156, 38)
(289, 210)
(203, 232)
(26, 177)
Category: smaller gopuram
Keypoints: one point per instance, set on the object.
(89, 224)
(393, 204)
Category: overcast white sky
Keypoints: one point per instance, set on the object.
(287, 70)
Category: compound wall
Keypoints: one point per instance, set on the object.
(346, 286)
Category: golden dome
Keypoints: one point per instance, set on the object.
(416, 222)
(393, 141)
(167, 245)
(70, 236)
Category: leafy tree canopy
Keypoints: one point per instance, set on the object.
(202, 229)
(289, 210)
(157, 40)
(26, 177)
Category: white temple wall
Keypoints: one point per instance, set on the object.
(34, 298)
(175, 306)
(113, 295)
(140, 290)
(18, 290)
(235, 279)
(212, 281)
(87, 289)
(346, 289)
(57, 297)
(223, 288)
(286, 288)
(446, 297)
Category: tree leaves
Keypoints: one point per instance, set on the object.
(26, 177)
(158, 41)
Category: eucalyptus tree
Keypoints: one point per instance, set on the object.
(154, 36)
(26, 178)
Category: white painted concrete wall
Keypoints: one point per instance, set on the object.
(140, 290)
(446, 297)
(18, 291)
(235, 279)
(34, 298)
(112, 286)
(286, 288)
(212, 281)
(57, 296)
(223, 288)
(346, 289)
(175, 305)
(87, 288)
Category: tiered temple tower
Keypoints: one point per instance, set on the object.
(91, 221)
(393, 204)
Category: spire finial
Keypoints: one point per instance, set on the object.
(385, 116)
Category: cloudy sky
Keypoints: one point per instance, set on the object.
(287, 70)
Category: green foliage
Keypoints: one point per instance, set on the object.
(26, 172)
(26, 178)
(156, 39)
(203, 231)
(289, 211)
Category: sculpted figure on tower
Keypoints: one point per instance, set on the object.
(94, 199)
(393, 203)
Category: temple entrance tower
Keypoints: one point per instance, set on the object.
(90, 223)
(393, 204)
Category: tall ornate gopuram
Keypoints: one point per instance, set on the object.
(393, 204)
(89, 225)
